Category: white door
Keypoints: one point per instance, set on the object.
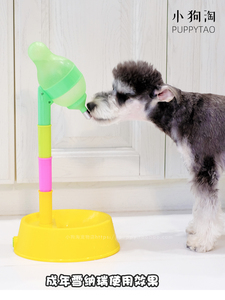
(7, 93)
(95, 35)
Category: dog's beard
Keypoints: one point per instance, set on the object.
(105, 121)
(108, 111)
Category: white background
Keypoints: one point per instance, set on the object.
(127, 167)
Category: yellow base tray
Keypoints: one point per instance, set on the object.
(74, 235)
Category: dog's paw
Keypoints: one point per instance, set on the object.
(194, 243)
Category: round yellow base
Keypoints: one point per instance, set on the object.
(74, 235)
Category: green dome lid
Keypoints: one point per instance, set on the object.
(56, 74)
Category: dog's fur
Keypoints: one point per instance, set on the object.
(195, 122)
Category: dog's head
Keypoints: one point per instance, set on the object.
(137, 87)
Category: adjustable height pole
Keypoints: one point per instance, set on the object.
(44, 158)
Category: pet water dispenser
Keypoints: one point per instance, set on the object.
(65, 235)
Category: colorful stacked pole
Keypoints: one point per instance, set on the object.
(63, 84)
(44, 157)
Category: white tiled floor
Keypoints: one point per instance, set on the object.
(150, 244)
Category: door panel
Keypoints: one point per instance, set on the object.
(7, 173)
(96, 36)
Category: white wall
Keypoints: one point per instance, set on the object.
(96, 35)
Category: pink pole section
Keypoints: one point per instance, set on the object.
(45, 174)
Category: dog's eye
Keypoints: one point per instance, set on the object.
(122, 97)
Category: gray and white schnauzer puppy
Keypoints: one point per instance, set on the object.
(194, 121)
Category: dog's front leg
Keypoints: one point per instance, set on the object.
(207, 224)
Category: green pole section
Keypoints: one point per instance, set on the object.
(44, 107)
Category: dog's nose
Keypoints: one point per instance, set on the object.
(91, 106)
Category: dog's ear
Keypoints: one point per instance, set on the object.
(165, 93)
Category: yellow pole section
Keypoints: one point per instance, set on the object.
(45, 208)
(44, 141)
